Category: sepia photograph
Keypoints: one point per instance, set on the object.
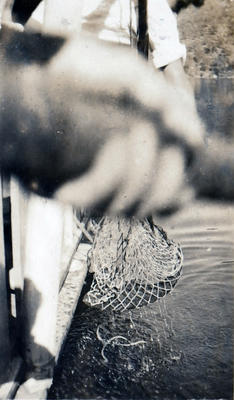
(116, 199)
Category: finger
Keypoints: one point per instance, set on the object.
(9, 27)
(176, 107)
(101, 180)
(167, 182)
(141, 160)
(182, 119)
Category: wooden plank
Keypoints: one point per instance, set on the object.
(4, 322)
(19, 200)
(71, 239)
(70, 242)
(43, 236)
(71, 290)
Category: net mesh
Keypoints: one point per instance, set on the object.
(134, 264)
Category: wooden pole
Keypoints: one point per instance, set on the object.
(44, 232)
(143, 37)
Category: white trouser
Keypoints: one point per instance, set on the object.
(115, 20)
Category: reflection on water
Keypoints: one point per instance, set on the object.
(215, 102)
(181, 347)
(177, 348)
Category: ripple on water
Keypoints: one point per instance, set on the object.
(179, 348)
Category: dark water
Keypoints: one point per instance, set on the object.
(215, 103)
(181, 347)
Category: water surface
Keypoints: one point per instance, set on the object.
(179, 348)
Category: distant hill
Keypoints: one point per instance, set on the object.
(208, 33)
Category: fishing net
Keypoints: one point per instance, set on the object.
(133, 262)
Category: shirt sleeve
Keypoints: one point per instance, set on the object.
(163, 34)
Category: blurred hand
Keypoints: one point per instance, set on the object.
(94, 126)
